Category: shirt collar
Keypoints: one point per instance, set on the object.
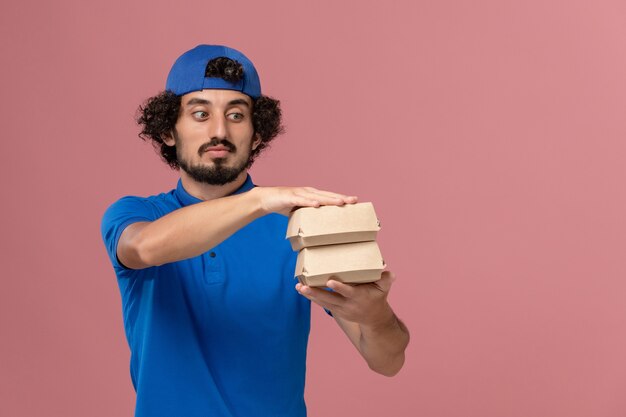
(187, 199)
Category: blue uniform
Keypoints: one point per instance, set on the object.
(221, 334)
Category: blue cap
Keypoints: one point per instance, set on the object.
(187, 73)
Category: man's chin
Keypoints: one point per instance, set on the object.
(213, 175)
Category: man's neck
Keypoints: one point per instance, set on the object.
(207, 192)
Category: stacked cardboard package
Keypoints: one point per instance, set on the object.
(337, 241)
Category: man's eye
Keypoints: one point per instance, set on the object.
(200, 114)
(235, 116)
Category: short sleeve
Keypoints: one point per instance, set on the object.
(117, 217)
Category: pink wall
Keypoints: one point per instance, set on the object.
(488, 134)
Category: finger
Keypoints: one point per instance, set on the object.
(327, 306)
(385, 281)
(339, 287)
(324, 199)
(322, 297)
(303, 201)
(343, 197)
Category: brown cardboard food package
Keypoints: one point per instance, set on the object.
(348, 262)
(330, 225)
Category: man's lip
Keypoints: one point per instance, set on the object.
(217, 148)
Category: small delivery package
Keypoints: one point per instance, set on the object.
(336, 241)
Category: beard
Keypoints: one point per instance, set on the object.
(218, 173)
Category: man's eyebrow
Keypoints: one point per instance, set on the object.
(195, 101)
(238, 101)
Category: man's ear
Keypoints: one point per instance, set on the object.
(257, 141)
(168, 138)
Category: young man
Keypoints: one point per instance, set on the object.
(214, 324)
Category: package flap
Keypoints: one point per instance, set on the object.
(349, 262)
(329, 225)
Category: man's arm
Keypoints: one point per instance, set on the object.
(365, 316)
(193, 230)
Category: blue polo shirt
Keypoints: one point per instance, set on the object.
(221, 334)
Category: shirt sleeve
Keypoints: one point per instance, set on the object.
(117, 217)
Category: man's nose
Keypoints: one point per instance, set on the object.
(218, 127)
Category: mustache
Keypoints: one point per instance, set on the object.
(216, 142)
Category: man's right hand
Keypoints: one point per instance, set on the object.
(284, 200)
(194, 229)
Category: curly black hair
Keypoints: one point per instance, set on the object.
(158, 115)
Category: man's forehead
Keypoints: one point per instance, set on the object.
(215, 96)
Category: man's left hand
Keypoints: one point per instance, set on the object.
(365, 304)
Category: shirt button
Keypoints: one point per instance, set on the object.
(212, 254)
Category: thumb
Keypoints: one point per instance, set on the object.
(385, 281)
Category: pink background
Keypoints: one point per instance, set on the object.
(488, 134)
